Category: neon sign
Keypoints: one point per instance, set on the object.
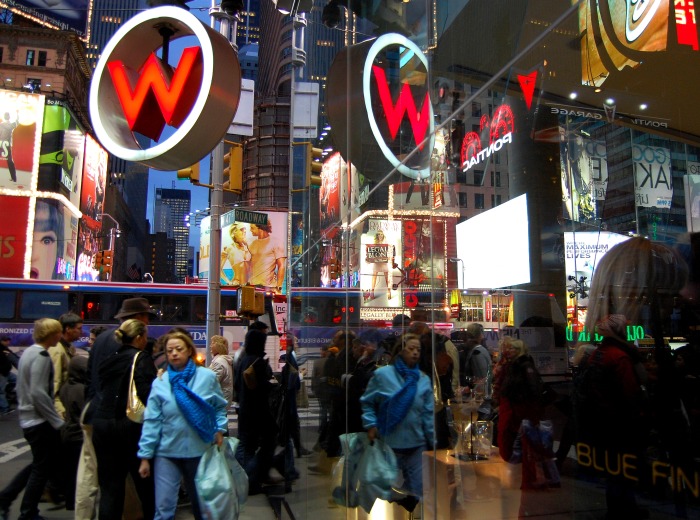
(500, 132)
(152, 103)
(410, 56)
(405, 105)
(134, 92)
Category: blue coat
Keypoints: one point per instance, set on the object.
(166, 432)
(416, 429)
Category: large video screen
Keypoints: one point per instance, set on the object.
(501, 263)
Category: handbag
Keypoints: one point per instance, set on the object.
(134, 407)
(249, 377)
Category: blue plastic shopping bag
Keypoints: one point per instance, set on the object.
(222, 484)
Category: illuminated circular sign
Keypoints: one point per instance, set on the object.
(134, 92)
(393, 118)
(395, 61)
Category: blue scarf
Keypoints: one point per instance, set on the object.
(394, 410)
(198, 413)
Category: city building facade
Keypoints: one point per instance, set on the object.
(171, 208)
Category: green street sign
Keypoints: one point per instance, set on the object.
(243, 215)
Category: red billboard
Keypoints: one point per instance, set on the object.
(13, 235)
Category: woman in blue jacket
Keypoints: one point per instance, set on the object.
(185, 414)
(398, 408)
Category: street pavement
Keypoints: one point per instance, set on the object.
(577, 498)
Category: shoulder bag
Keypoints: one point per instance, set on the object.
(134, 407)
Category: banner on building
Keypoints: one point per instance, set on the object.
(379, 263)
(584, 173)
(652, 176)
(692, 201)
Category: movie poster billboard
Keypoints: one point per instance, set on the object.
(94, 179)
(653, 186)
(65, 15)
(54, 241)
(584, 173)
(692, 199)
(380, 262)
(62, 149)
(21, 119)
(583, 251)
(88, 245)
(253, 249)
(343, 191)
(13, 235)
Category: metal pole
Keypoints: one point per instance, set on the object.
(216, 205)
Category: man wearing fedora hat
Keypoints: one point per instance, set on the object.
(105, 345)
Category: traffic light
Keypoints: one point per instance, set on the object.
(97, 261)
(313, 165)
(191, 173)
(250, 302)
(107, 262)
(233, 168)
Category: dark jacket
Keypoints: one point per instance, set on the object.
(114, 375)
(72, 395)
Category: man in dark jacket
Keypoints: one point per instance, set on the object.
(73, 398)
(256, 426)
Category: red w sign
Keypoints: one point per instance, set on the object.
(160, 96)
(420, 121)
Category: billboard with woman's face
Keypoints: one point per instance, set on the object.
(21, 119)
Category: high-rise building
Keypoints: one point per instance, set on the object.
(107, 17)
(249, 27)
(171, 207)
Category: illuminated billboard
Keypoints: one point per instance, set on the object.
(53, 252)
(253, 249)
(66, 15)
(21, 119)
(583, 251)
(13, 235)
(62, 150)
(88, 245)
(379, 263)
(94, 179)
(502, 263)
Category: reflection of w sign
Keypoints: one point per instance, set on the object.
(378, 253)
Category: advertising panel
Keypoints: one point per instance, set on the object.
(88, 245)
(584, 173)
(54, 241)
(617, 32)
(66, 15)
(504, 262)
(94, 179)
(62, 149)
(692, 201)
(653, 185)
(583, 250)
(379, 263)
(253, 253)
(21, 118)
(343, 192)
(13, 235)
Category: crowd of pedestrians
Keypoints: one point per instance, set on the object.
(127, 425)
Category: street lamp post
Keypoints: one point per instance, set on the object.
(455, 260)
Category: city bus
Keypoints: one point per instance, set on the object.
(24, 301)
